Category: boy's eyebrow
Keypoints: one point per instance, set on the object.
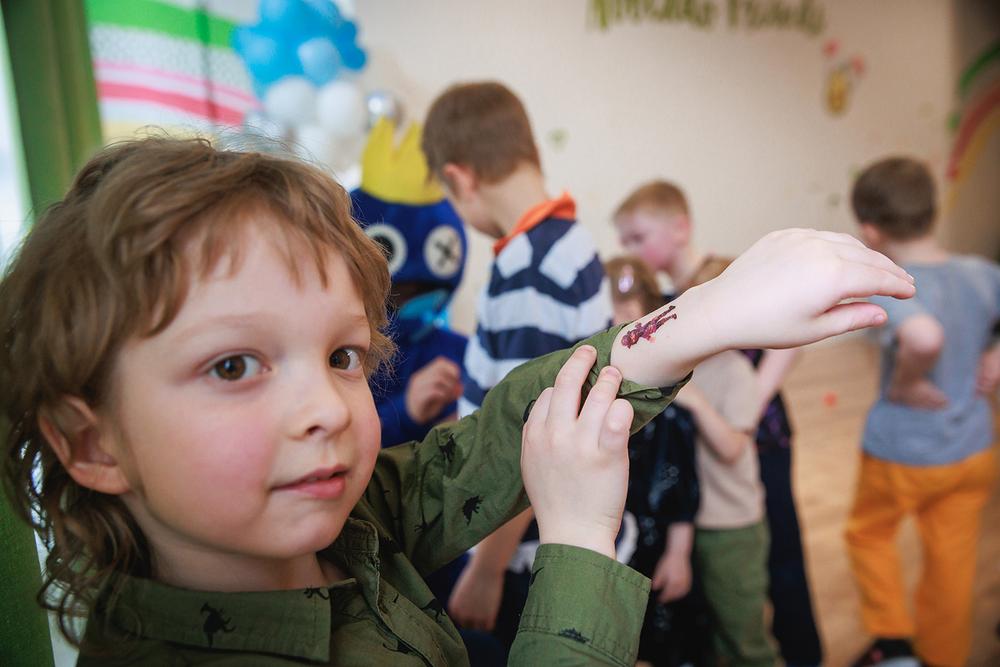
(249, 320)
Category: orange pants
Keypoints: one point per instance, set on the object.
(946, 502)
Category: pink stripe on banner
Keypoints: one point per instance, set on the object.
(149, 71)
(201, 107)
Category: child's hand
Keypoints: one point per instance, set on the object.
(921, 394)
(787, 289)
(575, 462)
(988, 373)
(672, 576)
(432, 388)
(475, 600)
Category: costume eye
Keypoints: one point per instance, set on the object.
(346, 358)
(443, 251)
(392, 242)
(236, 367)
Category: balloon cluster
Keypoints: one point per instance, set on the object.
(304, 58)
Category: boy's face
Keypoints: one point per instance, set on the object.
(655, 236)
(246, 428)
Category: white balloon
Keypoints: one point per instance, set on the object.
(340, 107)
(316, 143)
(291, 100)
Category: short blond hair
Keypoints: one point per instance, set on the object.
(114, 259)
(658, 194)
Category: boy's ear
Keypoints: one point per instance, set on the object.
(81, 443)
(459, 179)
(871, 235)
(682, 229)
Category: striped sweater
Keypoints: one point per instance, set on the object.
(547, 291)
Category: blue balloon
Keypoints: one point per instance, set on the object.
(298, 37)
(347, 32)
(264, 56)
(320, 60)
(353, 57)
(327, 10)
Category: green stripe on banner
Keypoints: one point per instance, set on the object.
(974, 70)
(195, 25)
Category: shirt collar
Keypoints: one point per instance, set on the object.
(562, 207)
(292, 622)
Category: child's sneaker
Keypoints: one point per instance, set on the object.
(888, 653)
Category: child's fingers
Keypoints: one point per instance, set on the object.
(862, 281)
(867, 257)
(565, 401)
(600, 398)
(537, 416)
(615, 429)
(849, 317)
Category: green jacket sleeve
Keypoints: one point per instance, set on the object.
(441, 496)
(583, 609)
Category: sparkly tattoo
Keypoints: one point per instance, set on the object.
(640, 331)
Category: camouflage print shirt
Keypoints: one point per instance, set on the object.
(427, 502)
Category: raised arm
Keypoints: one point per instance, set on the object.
(787, 290)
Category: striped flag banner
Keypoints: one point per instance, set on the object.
(168, 64)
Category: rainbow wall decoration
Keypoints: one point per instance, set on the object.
(166, 63)
(977, 122)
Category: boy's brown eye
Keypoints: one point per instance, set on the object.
(345, 358)
(234, 368)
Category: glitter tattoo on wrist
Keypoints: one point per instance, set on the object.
(640, 331)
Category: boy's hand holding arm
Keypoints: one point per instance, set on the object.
(988, 373)
(785, 291)
(672, 576)
(919, 341)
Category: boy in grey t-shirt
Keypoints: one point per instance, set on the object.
(927, 441)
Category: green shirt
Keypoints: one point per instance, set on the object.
(426, 504)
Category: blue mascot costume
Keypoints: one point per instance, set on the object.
(401, 208)
(406, 213)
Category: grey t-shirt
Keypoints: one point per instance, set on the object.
(963, 294)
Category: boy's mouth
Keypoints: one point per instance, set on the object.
(324, 483)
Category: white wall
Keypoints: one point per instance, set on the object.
(736, 116)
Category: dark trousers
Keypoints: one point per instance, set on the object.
(794, 626)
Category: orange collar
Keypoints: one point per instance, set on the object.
(562, 206)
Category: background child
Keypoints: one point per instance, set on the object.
(546, 291)
(927, 439)
(654, 223)
(663, 499)
(731, 539)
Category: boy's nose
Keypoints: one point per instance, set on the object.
(321, 409)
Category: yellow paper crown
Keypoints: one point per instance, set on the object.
(394, 174)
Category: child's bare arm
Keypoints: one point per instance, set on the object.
(787, 290)
(919, 341)
(771, 373)
(726, 442)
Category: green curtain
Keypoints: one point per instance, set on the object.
(56, 105)
(56, 96)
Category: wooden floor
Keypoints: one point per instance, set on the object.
(829, 392)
